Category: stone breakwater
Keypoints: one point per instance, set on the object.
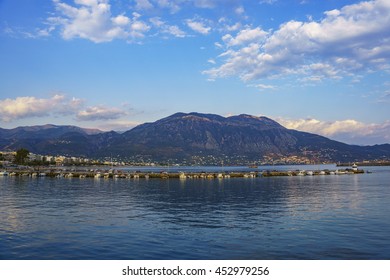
(116, 174)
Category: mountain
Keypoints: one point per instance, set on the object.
(44, 131)
(54, 139)
(191, 137)
(186, 135)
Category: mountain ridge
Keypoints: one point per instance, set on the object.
(187, 136)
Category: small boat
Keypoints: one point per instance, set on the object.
(250, 175)
(4, 173)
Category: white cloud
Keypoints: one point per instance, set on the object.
(332, 13)
(227, 26)
(17, 32)
(349, 131)
(239, 10)
(168, 29)
(157, 22)
(205, 3)
(175, 31)
(263, 86)
(96, 113)
(138, 29)
(107, 20)
(121, 20)
(233, 27)
(143, 5)
(198, 26)
(29, 106)
(168, 4)
(70, 106)
(245, 36)
(354, 38)
(93, 20)
(59, 105)
(218, 45)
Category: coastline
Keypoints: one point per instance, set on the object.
(211, 174)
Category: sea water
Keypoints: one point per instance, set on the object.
(302, 217)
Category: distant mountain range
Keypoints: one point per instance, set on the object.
(188, 136)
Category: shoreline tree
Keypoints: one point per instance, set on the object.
(21, 156)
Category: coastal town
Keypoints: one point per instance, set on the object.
(24, 163)
(9, 157)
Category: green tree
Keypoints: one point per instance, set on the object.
(21, 156)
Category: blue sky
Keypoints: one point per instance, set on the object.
(316, 66)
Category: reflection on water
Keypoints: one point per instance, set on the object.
(311, 217)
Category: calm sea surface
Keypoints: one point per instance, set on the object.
(311, 217)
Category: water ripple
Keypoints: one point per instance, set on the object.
(324, 217)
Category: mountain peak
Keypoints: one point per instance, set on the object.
(214, 117)
(254, 120)
(193, 116)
